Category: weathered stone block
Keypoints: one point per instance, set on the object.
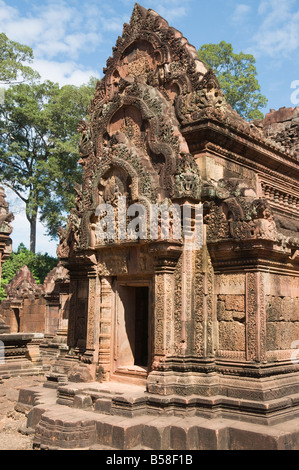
(82, 401)
(102, 406)
(289, 332)
(231, 336)
(178, 438)
(272, 336)
(242, 438)
(235, 302)
(280, 335)
(213, 436)
(222, 313)
(127, 436)
(274, 308)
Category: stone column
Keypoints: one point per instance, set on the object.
(90, 355)
(255, 317)
(166, 255)
(71, 339)
(105, 329)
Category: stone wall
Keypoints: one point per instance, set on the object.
(283, 127)
(34, 308)
(282, 322)
(282, 311)
(231, 322)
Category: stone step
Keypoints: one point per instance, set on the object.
(62, 427)
(58, 426)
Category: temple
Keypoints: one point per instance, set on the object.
(165, 327)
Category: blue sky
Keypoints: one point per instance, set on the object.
(72, 40)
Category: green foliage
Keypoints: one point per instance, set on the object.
(14, 58)
(39, 264)
(39, 147)
(236, 74)
(66, 109)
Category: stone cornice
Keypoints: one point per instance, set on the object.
(215, 136)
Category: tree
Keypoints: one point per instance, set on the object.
(67, 108)
(39, 148)
(39, 264)
(237, 77)
(14, 60)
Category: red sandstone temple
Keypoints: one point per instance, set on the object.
(205, 335)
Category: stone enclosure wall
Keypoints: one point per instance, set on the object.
(283, 127)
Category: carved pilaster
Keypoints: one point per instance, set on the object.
(105, 328)
(166, 256)
(187, 302)
(72, 314)
(91, 352)
(255, 317)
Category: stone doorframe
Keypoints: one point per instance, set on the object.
(121, 349)
(109, 330)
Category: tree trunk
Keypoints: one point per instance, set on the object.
(32, 221)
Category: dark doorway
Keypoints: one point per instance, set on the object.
(141, 326)
(17, 319)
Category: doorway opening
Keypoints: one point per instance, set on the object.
(132, 339)
(16, 321)
(141, 327)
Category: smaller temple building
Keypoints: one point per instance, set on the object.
(37, 308)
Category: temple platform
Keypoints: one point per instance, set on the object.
(20, 355)
(125, 417)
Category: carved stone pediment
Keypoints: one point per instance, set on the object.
(132, 145)
(23, 285)
(236, 213)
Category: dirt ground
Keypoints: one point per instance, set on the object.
(11, 421)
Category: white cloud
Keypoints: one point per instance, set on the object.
(58, 35)
(278, 34)
(240, 13)
(53, 30)
(171, 13)
(64, 73)
(114, 24)
(7, 12)
(168, 9)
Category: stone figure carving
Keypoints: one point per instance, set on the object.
(187, 179)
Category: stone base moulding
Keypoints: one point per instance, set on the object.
(124, 417)
(21, 355)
